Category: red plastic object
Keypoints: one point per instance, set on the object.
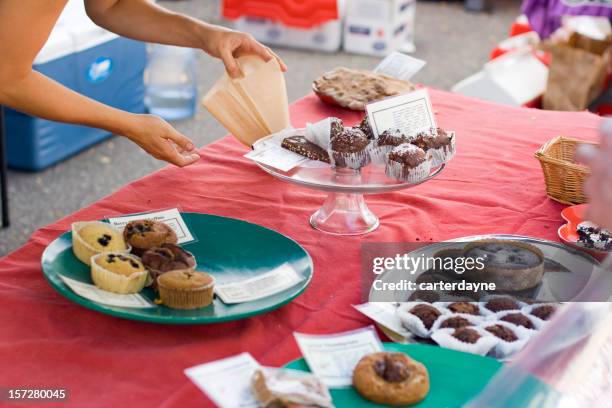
(574, 215)
(292, 13)
(519, 28)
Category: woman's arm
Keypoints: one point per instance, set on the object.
(25, 28)
(146, 21)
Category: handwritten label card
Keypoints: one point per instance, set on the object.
(227, 382)
(171, 217)
(333, 357)
(91, 292)
(411, 113)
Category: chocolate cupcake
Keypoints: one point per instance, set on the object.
(365, 127)
(466, 335)
(146, 234)
(502, 332)
(168, 257)
(501, 303)
(387, 140)
(455, 322)
(518, 319)
(426, 313)
(350, 149)
(543, 312)
(464, 307)
(408, 162)
(438, 142)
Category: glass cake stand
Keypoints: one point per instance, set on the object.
(344, 211)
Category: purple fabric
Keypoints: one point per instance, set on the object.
(545, 15)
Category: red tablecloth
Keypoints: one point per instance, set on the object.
(493, 185)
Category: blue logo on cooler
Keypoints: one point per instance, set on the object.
(100, 70)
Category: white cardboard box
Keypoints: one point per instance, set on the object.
(379, 27)
(515, 78)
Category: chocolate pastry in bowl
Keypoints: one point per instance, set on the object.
(466, 335)
(391, 379)
(350, 149)
(426, 313)
(502, 332)
(168, 257)
(464, 307)
(518, 319)
(146, 234)
(511, 265)
(302, 146)
(408, 162)
(500, 304)
(543, 312)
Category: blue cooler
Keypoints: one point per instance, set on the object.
(91, 61)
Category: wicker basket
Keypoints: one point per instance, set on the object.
(564, 178)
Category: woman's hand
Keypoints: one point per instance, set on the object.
(229, 44)
(599, 185)
(155, 136)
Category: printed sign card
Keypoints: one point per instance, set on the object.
(171, 217)
(411, 113)
(91, 292)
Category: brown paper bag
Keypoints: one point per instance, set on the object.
(253, 106)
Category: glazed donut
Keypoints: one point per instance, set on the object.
(146, 234)
(391, 379)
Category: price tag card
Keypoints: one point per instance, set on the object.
(333, 357)
(400, 66)
(384, 314)
(171, 217)
(411, 113)
(227, 382)
(264, 285)
(91, 292)
(275, 156)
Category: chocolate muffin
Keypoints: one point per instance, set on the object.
(146, 234)
(365, 127)
(502, 303)
(426, 313)
(408, 162)
(168, 257)
(502, 332)
(386, 141)
(455, 322)
(336, 127)
(543, 312)
(519, 319)
(349, 149)
(438, 142)
(464, 307)
(466, 335)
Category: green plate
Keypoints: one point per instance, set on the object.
(227, 248)
(454, 377)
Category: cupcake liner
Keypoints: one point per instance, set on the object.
(379, 154)
(114, 282)
(412, 322)
(475, 320)
(354, 160)
(443, 154)
(397, 171)
(506, 349)
(444, 338)
(82, 250)
(186, 298)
